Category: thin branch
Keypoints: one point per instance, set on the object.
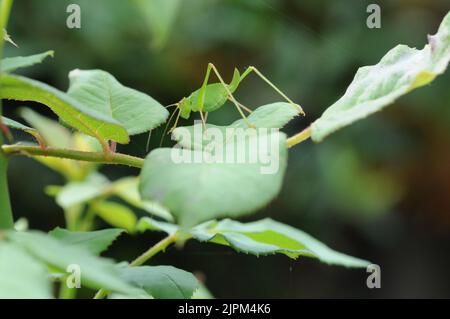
(152, 251)
(299, 138)
(96, 157)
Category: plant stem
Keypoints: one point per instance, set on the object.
(6, 216)
(65, 292)
(300, 137)
(96, 157)
(160, 246)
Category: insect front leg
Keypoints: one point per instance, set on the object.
(230, 95)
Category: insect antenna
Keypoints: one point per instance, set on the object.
(168, 123)
(147, 147)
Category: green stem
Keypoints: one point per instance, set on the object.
(299, 138)
(96, 157)
(6, 216)
(65, 292)
(160, 246)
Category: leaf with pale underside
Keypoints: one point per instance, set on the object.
(21, 276)
(270, 116)
(215, 186)
(18, 62)
(95, 241)
(400, 71)
(161, 282)
(89, 121)
(100, 91)
(274, 115)
(260, 238)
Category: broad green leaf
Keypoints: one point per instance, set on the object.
(264, 237)
(115, 214)
(162, 282)
(400, 71)
(160, 16)
(77, 193)
(196, 186)
(87, 120)
(96, 272)
(14, 63)
(269, 237)
(100, 91)
(21, 276)
(275, 115)
(96, 241)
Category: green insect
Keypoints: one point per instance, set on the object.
(211, 97)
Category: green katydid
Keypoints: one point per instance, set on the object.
(211, 97)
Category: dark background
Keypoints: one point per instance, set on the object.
(379, 190)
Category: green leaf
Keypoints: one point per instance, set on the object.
(160, 16)
(77, 193)
(95, 241)
(115, 214)
(54, 134)
(260, 238)
(274, 115)
(8, 38)
(151, 224)
(400, 71)
(21, 276)
(214, 187)
(18, 126)
(100, 91)
(14, 63)
(127, 189)
(89, 121)
(96, 272)
(267, 237)
(162, 282)
(97, 186)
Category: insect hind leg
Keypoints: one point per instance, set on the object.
(273, 86)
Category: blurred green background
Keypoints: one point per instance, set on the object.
(379, 190)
